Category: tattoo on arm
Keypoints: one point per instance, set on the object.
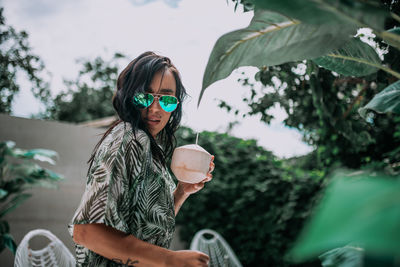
(129, 262)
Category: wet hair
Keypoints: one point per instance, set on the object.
(136, 78)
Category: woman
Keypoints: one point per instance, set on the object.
(127, 213)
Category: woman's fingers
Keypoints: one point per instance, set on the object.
(212, 167)
(189, 258)
(204, 258)
(208, 178)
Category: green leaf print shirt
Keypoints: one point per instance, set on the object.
(127, 190)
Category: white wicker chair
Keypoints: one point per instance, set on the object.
(55, 254)
(220, 253)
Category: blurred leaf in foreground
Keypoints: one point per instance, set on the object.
(362, 209)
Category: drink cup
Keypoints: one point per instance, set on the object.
(190, 163)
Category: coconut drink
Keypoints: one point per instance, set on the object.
(190, 163)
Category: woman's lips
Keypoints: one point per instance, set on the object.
(152, 122)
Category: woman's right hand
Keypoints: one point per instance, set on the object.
(187, 258)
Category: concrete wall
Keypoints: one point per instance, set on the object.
(52, 209)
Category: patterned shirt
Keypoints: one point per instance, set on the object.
(127, 190)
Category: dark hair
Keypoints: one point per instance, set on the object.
(135, 78)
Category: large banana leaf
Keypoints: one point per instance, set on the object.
(363, 209)
(386, 101)
(356, 58)
(355, 13)
(271, 39)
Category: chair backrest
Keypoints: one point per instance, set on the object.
(55, 254)
(215, 246)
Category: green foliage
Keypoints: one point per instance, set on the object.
(271, 39)
(386, 101)
(355, 58)
(88, 97)
(293, 30)
(392, 37)
(362, 208)
(16, 58)
(17, 174)
(255, 201)
(323, 107)
(351, 14)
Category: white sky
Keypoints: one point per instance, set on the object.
(62, 31)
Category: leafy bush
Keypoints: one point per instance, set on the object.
(326, 115)
(254, 201)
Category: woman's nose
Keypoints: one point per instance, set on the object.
(155, 106)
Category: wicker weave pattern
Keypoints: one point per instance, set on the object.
(220, 253)
(55, 254)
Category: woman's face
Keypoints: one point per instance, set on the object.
(154, 117)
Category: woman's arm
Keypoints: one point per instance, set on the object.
(179, 197)
(131, 251)
(184, 190)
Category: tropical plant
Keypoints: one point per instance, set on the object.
(18, 174)
(321, 31)
(323, 106)
(16, 58)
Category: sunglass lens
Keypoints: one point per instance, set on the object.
(143, 100)
(168, 103)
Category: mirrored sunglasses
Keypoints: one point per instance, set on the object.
(167, 102)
